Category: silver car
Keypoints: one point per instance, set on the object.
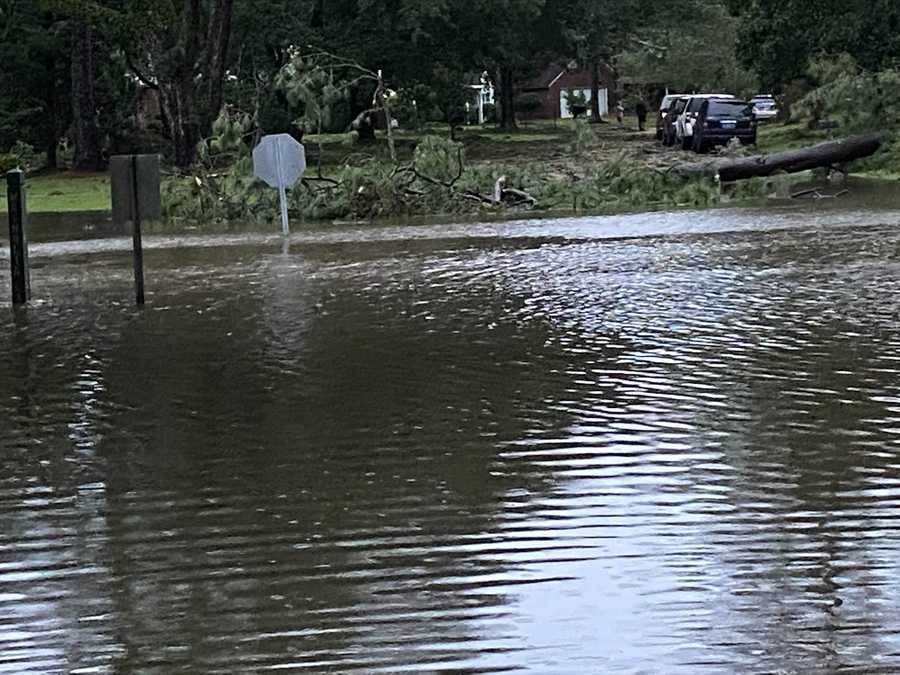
(764, 107)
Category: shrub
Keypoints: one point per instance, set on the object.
(8, 162)
(859, 100)
(583, 139)
(414, 106)
(29, 160)
(576, 97)
(438, 158)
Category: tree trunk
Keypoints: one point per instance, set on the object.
(52, 154)
(507, 99)
(84, 105)
(191, 76)
(595, 91)
(52, 127)
(177, 102)
(218, 42)
(792, 161)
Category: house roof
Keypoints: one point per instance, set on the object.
(566, 78)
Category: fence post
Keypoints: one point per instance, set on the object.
(18, 244)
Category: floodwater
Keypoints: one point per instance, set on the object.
(662, 443)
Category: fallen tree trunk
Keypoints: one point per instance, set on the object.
(793, 161)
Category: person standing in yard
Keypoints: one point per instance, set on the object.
(641, 111)
(620, 113)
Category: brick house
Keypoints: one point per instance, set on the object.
(555, 82)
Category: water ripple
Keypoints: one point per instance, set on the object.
(530, 446)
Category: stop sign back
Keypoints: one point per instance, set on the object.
(279, 160)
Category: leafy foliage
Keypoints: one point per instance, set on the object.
(315, 88)
(8, 162)
(686, 59)
(437, 180)
(34, 91)
(859, 100)
(439, 158)
(583, 139)
(778, 38)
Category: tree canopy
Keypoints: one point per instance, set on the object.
(85, 73)
(779, 38)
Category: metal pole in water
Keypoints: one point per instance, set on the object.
(136, 235)
(285, 226)
(18, 244)
(282, 192)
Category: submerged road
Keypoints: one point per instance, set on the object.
(647, 443)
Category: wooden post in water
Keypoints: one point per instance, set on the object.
(18, 243)
(136, 238)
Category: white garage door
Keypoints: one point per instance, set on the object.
(564, 102)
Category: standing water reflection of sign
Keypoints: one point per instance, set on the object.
(279, 160)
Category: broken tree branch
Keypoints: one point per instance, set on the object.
(791, 161)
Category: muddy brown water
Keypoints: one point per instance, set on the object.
(652, 443)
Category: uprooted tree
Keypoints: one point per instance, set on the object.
(830, 154)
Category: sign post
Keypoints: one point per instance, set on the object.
(280, 160)
(135, 191)
(18, 243)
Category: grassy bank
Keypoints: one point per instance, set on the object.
(66, 192)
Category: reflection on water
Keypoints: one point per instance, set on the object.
(534, 449)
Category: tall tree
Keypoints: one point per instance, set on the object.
(505, 37)
(34, 78)
(178, 47)
(681, 55)
(185, 58)
(778, 38)
(597, 31)
(87, 155)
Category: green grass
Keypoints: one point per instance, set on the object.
(67, 192)
(776, 137)
(880, 174)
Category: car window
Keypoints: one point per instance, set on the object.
(679, 105)
(667, 100)
(732, 108)
(694, 105)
